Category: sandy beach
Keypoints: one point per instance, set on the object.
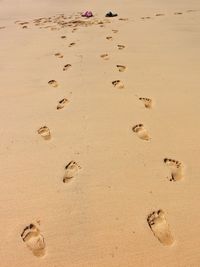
(99, 133)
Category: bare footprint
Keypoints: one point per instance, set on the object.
(109, 38)
(120, 47)
(145, 17)
(71, 170)
(178, 13)
(24, 23)
(191, 10)
(66, 67)
(59, 55)
(63, 37)
(71, 44)
(159, 14)
(123, 19)
(147, 102)
(44, 132)
(104, 56)
(34, 240)
(62, 103)
(121, 68)
(118, 84)
(141, 132)
(176, 168)
(53, 83)
(160, 228)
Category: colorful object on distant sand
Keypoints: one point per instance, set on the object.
(110, 14)
(87, 14)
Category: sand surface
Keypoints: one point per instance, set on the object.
(128, 118)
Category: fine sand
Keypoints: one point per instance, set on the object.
(100, 134)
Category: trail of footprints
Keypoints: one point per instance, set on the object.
(156, 220)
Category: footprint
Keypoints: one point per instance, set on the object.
(123, 19)
(142, 133)
(34, 240)
(178, 13)
(176, 168)
(115, 31)
(145, 17)
(24, 23)
(71, 44)
(62, 103)
(160, 228)
(159, 14)
(66, 67)
(44, 132)
(191, 10)
(147, 102)
(59, 55)
(24, 27)
(120, 47)
(118, 84)
(71, 170)
(53, 83)
(63, 36)
(121, 68)
(109, 38)
(104, 56)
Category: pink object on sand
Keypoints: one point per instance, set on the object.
(87, 14)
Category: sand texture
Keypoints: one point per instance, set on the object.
(99, 152)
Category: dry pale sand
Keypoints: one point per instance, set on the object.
(100, 134)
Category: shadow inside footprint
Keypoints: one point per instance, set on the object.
(71, 170)
(62, 103)
(118, 84)
(141, 132)
(146, 101)
(176, 169)
(34, 240)
(160, 228)
(121, 68)
(44, 132)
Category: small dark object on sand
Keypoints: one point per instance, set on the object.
(110, 14)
